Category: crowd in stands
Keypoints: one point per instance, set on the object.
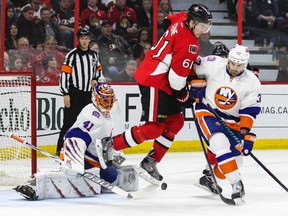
(38, 34)
(41, 32)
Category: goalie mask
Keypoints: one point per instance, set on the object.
(103, 97)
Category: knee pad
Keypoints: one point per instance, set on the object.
(219, 144)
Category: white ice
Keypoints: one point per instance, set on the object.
(264, 196)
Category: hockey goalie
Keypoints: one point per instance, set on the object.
(79, 155)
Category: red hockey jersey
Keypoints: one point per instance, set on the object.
(125, 18)
(177, 17)
(168, 63)
(92, 18)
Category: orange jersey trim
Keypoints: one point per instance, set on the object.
(93, 163)
(66, 69)
(246, 122)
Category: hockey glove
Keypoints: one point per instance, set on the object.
(247, 143)
(197, 89)
(182, 95)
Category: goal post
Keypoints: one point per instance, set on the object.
(18, 116)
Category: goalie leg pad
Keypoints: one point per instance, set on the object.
(56, 184)
(128, 180)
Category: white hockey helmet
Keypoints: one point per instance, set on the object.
(239, 54)
(103, 97)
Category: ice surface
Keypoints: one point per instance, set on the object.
(181, 170)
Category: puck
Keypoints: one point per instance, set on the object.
(164, 186)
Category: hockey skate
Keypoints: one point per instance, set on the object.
(27, 190)
(207, 182)
(238, 193)
(149, 165)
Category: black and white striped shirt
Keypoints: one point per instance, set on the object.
(79, 69)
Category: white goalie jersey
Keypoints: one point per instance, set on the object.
(93, 126)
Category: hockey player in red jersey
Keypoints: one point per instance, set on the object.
(162, 82)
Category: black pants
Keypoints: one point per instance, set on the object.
(78, 99)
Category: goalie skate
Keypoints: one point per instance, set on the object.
(26, 191)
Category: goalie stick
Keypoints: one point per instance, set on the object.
(117, 190)
(224, 199)
(239, 141)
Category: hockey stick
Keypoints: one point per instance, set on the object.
(224, 199)
(117, 190)
(239, 141)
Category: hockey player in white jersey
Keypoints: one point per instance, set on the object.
(79, 154)
(234, 93)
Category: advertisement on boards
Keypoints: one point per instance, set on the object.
(271, 123)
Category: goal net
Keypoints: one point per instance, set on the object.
(17, 116)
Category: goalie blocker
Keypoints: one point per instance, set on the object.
(56, 184)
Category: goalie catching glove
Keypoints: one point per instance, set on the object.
(247, 143)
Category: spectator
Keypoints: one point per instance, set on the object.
(15, 63)
(134, 4)
(145, 49)
(49, 73)
(123, 20)
(266, 13)
(94, 46)
(283, 24)
(11, 17)
(114, 50)
(283, 67)
(49, 49)
(45, 28)
(6, 61)
(36, 5)
(92, 16)
(25, 22)
(220, 50)
(145, 15)
(19, 3)
(206, 47)
(142, 39)
(65, 18)
(29, 59)
(160, 19)
(127, 74)
(12, 37)
(165, 6)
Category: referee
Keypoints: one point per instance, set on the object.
(81, 66)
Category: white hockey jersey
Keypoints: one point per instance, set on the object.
(93, 125)
(236, 99)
